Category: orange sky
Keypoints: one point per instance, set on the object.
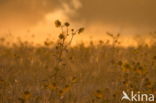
(36, 17)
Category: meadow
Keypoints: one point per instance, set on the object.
(57, 73)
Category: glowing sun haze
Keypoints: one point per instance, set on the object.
(25, 18)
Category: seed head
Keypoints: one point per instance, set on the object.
(62, 36)
(66, 24)
(80, 30)
(72, 30)
(57, 23)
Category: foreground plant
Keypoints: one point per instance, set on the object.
(61, 84)
(65, 38)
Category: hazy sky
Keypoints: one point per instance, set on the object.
(98, 16)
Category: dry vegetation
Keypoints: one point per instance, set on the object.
(59, 73)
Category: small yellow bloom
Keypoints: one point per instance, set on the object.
(27, 95)
(99, 94)
(61, 92)
(66, 88)
(52, 86)
(74, 80)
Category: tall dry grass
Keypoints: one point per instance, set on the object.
(59, 73)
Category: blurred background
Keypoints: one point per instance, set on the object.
(43, 61)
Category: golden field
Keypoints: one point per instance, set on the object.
(59, 73)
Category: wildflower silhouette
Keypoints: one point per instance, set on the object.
(62, 43)
(65, 38)
(57, 23)
(99, 94)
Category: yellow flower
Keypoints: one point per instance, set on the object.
(74, 80)
(126, 67)
(27, 95)
(141, 70)
(66, 88)
(52, 86)
(61, 92)
(99, 94)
